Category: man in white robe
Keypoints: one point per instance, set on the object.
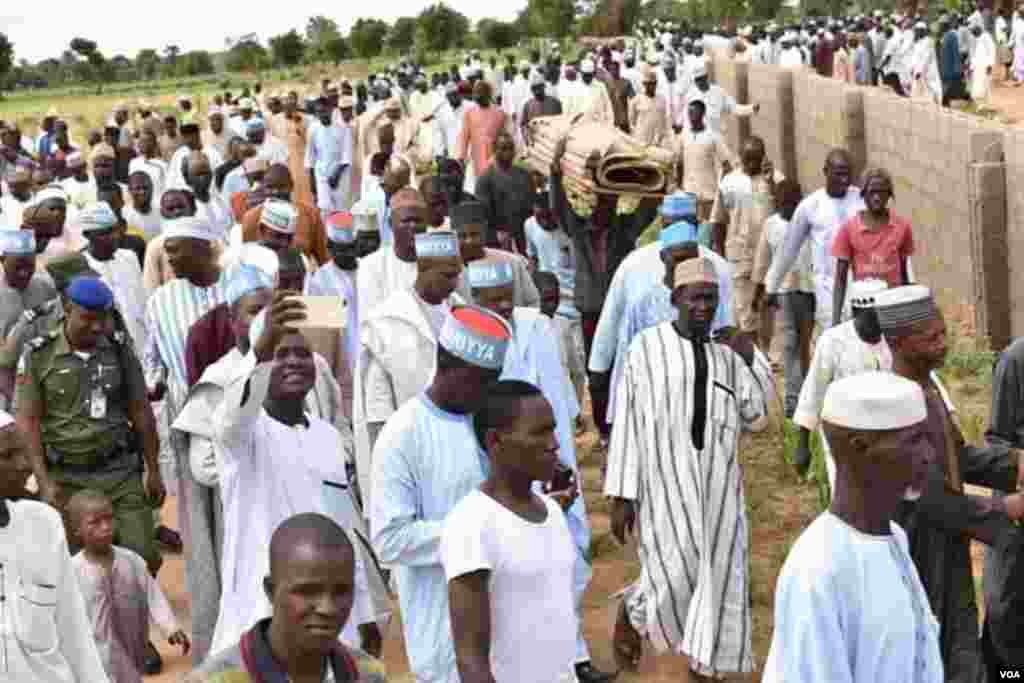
(393, 266)
(673, 472)
(597, 104)
(278, 461)
(924, 66)
(426, 460)
(983, 58)
(447, 122)
(514, 95)
(571, 92)
(192, 139)
(329, 162)
(849, 603)
(337, 278)
(818, 218)
(37, 569)
(852, 348)
(717, 101)
(118, 268)
(398, 340)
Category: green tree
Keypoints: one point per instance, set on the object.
(147, 62)
(288, 48)
(336, 49)
(439, 28)
(6, 59)
(195, 63)
(247, 55)
(367, 37)
(550, 17)
(94, 68)
(402, 34)
(320, 31)
(498, 35)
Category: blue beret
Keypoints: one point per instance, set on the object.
(90, 293)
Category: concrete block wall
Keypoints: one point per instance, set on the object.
(772, 88)
(826, 114)
(732, 77)
(951, 182)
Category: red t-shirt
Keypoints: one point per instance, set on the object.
(875, 253)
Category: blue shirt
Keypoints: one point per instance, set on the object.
(555, 254)
(425, 461)
(951, 63)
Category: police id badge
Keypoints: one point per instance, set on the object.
(98, 404)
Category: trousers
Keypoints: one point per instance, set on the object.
(797, 321)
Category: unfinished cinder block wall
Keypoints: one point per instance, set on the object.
(958, 178)
(826, 114)
(949, 182)
(772, 88)
(732, 77)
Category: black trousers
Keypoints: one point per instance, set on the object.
(893, 81)
(954, 90)
(995, 667)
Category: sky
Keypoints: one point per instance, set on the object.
(43, 30)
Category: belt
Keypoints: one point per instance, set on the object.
(118, 457)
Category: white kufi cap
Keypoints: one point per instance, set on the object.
(874, 401)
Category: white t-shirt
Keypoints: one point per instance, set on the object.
(533, 625)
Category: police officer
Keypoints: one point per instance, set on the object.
(82, 405)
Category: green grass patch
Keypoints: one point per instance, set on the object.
(817, 473)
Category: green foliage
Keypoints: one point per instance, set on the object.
(402, 34)
(195, 63)
(367, 37)
(817, 474)
(288, 48)
(439, 28)
(147, 62)
(247, 55)
(320, 30)
(336, 50)
(498, 35)
(549, 17)
(6, 58)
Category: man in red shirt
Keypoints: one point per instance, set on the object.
(877, 242)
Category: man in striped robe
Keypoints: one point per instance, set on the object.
(170, 313)
(673, 470)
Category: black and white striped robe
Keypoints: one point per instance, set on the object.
(693, 594)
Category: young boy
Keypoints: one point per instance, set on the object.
(796, 294)
(570, 344)
(550, 249)
(121, 597)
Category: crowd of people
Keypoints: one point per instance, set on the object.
(160, 333)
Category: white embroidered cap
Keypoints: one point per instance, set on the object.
(874, 401)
